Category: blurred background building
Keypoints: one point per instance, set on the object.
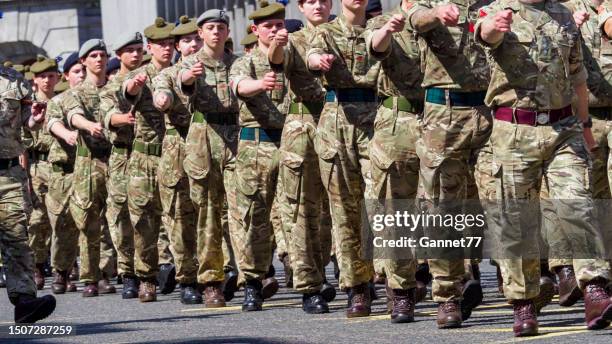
(55, 27)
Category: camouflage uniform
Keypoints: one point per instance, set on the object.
(456, 127)
(38, 143)
(117, 214)
(178, 209)
(261, 119)
(597, 53)
(14, 200)
(395, 164)
(143, 192)
(545, 78)
(343, 134)
(300, 178)
(65, 238)
(88, 197)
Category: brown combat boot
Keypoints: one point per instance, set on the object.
(597, 305)
(70, 286)
(449, 315)
(569, 291)
(525, 319)
(379, 279)
(90, 290)
(74, 273)
(60, 283)
(213, 295)
(269, 287)
(359, 301)
(39, 276)
(146, 292)
(105, 287)
(403, 306)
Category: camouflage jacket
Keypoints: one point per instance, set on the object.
(38, 140)
(452, 58)
(178, 114)
(303, 85)
(13, 114)
(59, 152)
(149, 124)
(211, 92)
(400, 73)
(597, 52)
(266, 109)
(353, 66)
(112, 102)
(536, 65)
(84, 100)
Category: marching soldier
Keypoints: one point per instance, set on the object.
(178, 210)
(62, 154)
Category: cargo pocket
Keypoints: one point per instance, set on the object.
(82, 184)
(246, 171)
(141, 185)
(58, 195)
(169, 170)
(291, 173)
(197, 161)
(118, 178)
(327, 153)
(381, 161)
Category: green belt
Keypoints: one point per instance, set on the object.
(97, 154)
(403, 104)
(147, 148)
(171, 132)
(603, 113)
(265, 135)
(311, 108)
(38, 156)
(59, 167)
(221, 118)
(122, 149)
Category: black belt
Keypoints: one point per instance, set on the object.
(38, 155)
(265, 135)
(221, 118)
(603, 113)
(471, 99)
(352, 95)
(5, 164)
(63, 167)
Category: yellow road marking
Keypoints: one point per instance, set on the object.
(543, 336)
(235, 308)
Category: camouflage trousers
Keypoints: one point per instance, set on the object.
(16, 254)
(39, 229)
(300, 202)
(452, 139)
(522, 155)
(601, 180)
(145, 210)
(177, 208)
(163, 242)
(256, 177)
(229, 257)
(343, 134)
(395, 176)
(108, 254)
(117, 213)
(65, 237)
(87, 204)
(210, 164)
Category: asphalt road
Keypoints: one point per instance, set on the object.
(109, 319)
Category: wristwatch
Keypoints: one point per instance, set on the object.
(588, 123)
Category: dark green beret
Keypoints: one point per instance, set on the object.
(43, 64)
(27, 74)
(213, 15)
(186, 26)
(61, 86)
(91, 45)
(267, 11)
(127, 38)
(161, 29)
